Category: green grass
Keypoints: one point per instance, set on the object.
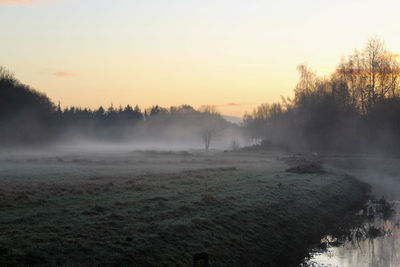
(242, 209)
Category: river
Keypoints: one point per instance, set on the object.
(376, 240)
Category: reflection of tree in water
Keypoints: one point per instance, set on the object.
(378, 245)
(373, 243)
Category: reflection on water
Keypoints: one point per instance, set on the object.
(375, 243)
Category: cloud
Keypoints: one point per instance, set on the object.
(27, 2)
(234, 104)
(64, 74)
(16, 3)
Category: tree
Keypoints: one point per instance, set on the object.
(210, 124)
(307, 82)
(370, 75)
(26, 116)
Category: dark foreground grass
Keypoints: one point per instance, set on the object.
(242, 209)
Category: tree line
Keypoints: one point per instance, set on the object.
(28, 117)
(355, 109)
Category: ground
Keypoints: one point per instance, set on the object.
(159, 208)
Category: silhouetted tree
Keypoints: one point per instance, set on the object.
(356, 108)
(211, 124)
(26, 115)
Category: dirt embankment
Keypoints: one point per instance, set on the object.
(242, 209)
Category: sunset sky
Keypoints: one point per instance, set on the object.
(229, 53)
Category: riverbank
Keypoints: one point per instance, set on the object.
(155, 208)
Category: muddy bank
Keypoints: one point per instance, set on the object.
(243, 209)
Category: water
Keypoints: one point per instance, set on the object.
(375, 243)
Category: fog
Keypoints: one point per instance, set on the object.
(135, 184)
(381, 172)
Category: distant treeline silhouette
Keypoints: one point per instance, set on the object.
(28, 117)
(356, 109)
(177, 123)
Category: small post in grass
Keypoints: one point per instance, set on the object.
(200, 260)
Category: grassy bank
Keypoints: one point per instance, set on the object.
(152, 209)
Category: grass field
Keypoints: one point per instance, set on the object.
(159, 208)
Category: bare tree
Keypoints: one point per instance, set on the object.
(370, 75)
(207, 139)
(210, 124)
(307, 82)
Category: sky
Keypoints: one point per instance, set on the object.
(234, 54)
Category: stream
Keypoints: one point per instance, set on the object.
(375, 241)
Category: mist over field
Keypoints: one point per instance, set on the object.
(355, 110)
(30, 119)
